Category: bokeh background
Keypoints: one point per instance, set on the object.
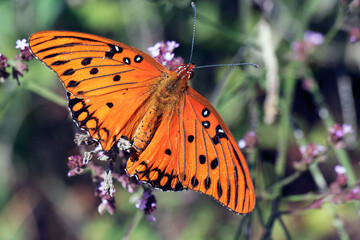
(308, 52)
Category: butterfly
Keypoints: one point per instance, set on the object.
(178, 140)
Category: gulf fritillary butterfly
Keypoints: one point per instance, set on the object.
(178, 140)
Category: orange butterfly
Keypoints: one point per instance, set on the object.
(178, 140)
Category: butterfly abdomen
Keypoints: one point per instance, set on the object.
(146, 129)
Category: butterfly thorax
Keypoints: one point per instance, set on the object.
(174, 83)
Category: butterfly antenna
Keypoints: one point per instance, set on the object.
(193, 35)
(227, 65)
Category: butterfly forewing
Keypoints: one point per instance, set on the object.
(89, 65)
(109, 83)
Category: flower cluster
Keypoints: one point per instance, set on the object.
(103, 177)
(249, 141)
(163, 53)
(17, 65)
(309, 154)
(147, 203)
(337, 133)
(76, 165)
(303, 48)
(338, 193)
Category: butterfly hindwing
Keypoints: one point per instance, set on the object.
(193, 149)
(220, 168)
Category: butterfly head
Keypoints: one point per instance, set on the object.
(185, 71)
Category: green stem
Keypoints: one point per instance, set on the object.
(284, 129)
(318, 177)
(45, 92)
(135, 221)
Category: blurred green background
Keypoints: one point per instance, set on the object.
(39, 201)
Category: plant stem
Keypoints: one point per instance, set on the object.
(45, 92)
(135, 221)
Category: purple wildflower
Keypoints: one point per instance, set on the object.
(147, 203)
(163, 53)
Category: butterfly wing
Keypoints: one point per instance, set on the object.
(109, 83)
(193, 149)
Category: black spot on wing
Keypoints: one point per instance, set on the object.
(126, 60)
(205, 112)
(116, 78)
(202, 159)
(207, 183)
(206, 124)
(113, 50)
(72, 83)
(86, 61)
(109, 105)
(57, 63)
(51, 55)
(219, 134)
(68, 72)
(168, 152)
(194, 182)
(138, 59)
(94, 71)
(214, 163)
(219, 189)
